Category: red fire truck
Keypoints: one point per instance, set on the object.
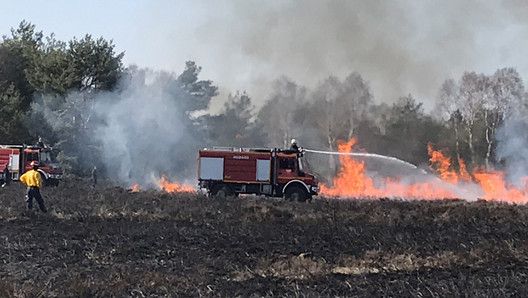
(226, 171)
(19, 157)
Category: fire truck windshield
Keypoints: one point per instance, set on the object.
(300, 161)
(45, 157)
(304, 166)
(32, 156)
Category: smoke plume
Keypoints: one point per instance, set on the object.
(144, 134)
(400, 47)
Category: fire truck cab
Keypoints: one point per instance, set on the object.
(225, 171)
(18, 159)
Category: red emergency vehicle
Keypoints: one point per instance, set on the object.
(225, 171)
(18, 159)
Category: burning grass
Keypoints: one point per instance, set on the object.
(113, 242)
(352, 180)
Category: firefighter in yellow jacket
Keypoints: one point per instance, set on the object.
(33, 182)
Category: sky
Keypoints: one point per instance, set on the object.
(400, 47)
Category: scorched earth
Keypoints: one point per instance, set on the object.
(113, 242)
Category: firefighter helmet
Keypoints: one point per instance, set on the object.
(34, 163)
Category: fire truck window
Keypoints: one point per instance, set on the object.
(287, 163)
(45, 156)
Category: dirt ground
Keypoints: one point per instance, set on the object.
(108, 242)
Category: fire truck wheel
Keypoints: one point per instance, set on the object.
(221, 191)
(295, 193)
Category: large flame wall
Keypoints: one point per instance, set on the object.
(352, 181)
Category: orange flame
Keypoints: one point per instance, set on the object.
(443, 164)
(352, 181)
(135, 187)
(495, 187)
(462, 170)
(175, 186)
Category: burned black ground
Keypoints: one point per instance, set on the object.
(112, 242)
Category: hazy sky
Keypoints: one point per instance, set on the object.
(399, 46)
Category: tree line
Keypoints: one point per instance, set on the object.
(51, 88)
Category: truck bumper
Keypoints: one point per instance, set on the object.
(314, 190)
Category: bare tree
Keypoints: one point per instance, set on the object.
(354, 101)
(448, 103)
(474, 92)
(276, 117)
(330, 120)
(507, 91)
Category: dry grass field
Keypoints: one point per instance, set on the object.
(109, 242)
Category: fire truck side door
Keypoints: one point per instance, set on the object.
(287, 167)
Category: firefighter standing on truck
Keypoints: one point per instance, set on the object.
(33, 182)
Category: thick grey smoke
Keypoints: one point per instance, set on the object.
(400, 47)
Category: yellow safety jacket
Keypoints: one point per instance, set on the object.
(31, 178)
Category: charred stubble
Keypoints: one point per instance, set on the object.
(112, 242)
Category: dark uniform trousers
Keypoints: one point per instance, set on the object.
(34, 192)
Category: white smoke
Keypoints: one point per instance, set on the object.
(512, 149)
(143, 132)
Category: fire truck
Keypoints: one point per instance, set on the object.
(226, 171)
(18, 159)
